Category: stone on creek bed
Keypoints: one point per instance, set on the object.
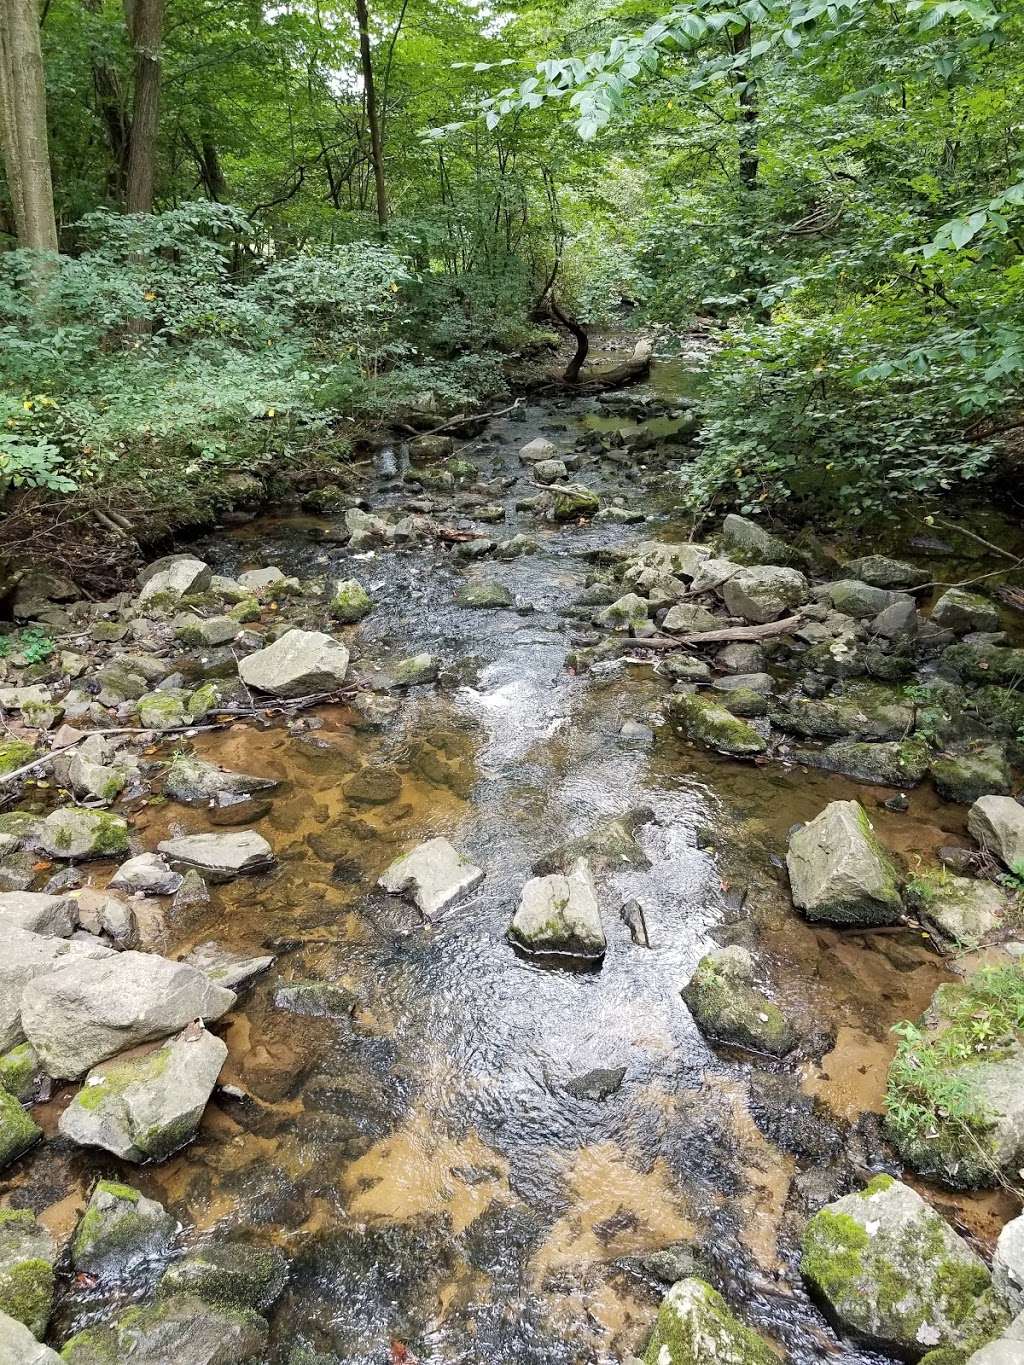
(28, 1253)
(19, 1347)
(298, 664)
(18, 1131)
(997, 823)
(866, 711)
(434, 875)
(235, 1275)
(882, 572)
(120, 1229)
(148, 874)
(77, 833)
(559, 914)
(611, 843)
(695, 1327)
(225, 968)
(193, 781)
(482, 594)
(729, 1008)
(705, 722)
(960, 909)
(896, 1276)
(84, 1012)
(219, 857)
(180, 1329)
(839, 871)
(764, 594)
(899, 763)
(972, 771)
(51, 916)
(27, 955)
(146, 1105)
(962, 612)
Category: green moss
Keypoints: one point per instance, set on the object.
(878, 1185)
(18, 1132)
(19, 824)
(351, 602)
(18, 1071)
(114, 1080)
(960, 1287)
(203, 700)
(248, 609)
(110, 833)
(710, 724)
(13, 754)
(704, 1331)
(26, 1293)
(833, 1254)
(94, 1346)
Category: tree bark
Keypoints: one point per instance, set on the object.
(23, 119)
(145, 27)
(372, 118)
(111, 107)
(572, 370)
(749, 161)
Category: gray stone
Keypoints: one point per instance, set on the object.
(28, 1253)
(263, 580)
(119, 1230)
(689, 620)
(178, 1329)
(147, 875)
(27, 955)
(970, 772)
(695, 1327)
(206, 632)
(178, 574)
(146, 1105)
(1008, 1265)
(298, 664)
(235, 1274)
(52, 916)
(764, 594)
(898, 622)
(350, 601)
(81, 1013)
(195, 782)
(416, 670)
(749, 543)
(367, 531)
(729, 1008)
(705, 722)
(712, 575)
(481, 593)
(839, 872)
(961, 909)
(225, 968)
(625, 613)
(762, 683)
(219, 857)
(78, 833)
(1002, 1352)
(741, 657)
(997, 823)
(559, 914)
(881, 572)
(861, 600)
(538, 449)
(19, 1347)
(599, 1084)
(549, 471)
(610, 844)
(872, 1257)
(434, 875)
(962, 611)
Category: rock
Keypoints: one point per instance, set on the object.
(148, 1104)
(748, 543)
(236, 1275)
(549, 471)
(971, 772)
(1008, 1265)
(206, 632)
(432, 447)
(895, 1275)
(316, 999)
(899, 763)
(18, 1132)
(77, 833)
(632, 916)
(689, 620)
(350, 602)
(367, 531)
(1002, 1352)
(19, 1347)
(84, 1012)
(695, 1327)
(625, 613)
(839, 872)
(177, 574)
(146, 875)
(102, 914)
(373, 787)
(961, 612)
(741, 657)
(14, 754)
(997, 823)
(21, 1074)
(515, 547)
(670, 1264)
(728, 1007)
(416, 670)
(298, 664)
(264, 581)
(559, 914)
(119, 1230)
(764, 594)
(898, 622)
(95, 780)
(177, 1330)
(28, 955)
(219, 857)
(163, 710)
(52, 916)
(861, 600)
(572, 500)
(599, 1084)
(958, 908)
(480, 593)
(28, 1254)
(435, 875)
(194, 782)
(881, 572)
(225, 968)
(538, 449)
(609, 844)
(861, 711)
(685, 668)
(707, 723)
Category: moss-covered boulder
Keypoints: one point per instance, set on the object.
(896, 1276)
(195, 782)
(18, 1131)
(14, 754)
(993, 665)
(27, 1256)
(119, 1230)
(350, 601)
(572, 500)
(729, 1008)
(163, 710)
(179, 1329)
(695, 1327)
(962, 612)
(971, 771)
(78, 833)
(235, 1275)
(21, 1073)
(864, 711)
(961, 910)
(747, 542)
(839, 871)
(416, 670)
(898, 763)
(708, 723)
(625, 613)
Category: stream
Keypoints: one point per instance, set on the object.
(432, 1165)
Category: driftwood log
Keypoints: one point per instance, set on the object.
(727, 635)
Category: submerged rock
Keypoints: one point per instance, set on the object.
(28, 1254)
(298, 664)
(416, 670)
(119, 1229)
(599, 1084)
(695, 1327)
(729, 1008)
(177, 1330)
(434, 875)
(146, 1105)
(236, 1275)
(896, 1275)
(839, 872)
(559, 914)
(997, 823)
(611, 843)
(219, 857)
(971, 772)
(84, 1012)
(193, 781)
(316, 999)
(482, 594)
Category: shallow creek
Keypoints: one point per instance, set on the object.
(422, 1163)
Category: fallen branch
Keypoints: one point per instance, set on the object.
(460, 421)
(713, 637)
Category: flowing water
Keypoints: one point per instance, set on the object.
(422, 1162)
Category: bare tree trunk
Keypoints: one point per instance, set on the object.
(23, 119)
(145, 26)
(749, 161)
(372, 120)
(111, 107)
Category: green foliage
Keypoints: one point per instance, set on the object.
(32, 643)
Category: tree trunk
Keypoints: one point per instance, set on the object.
(748, 157)
(212, 171)
(572, 370)
(372, 119)
(23, 119)
(110, 105)
(145, 25)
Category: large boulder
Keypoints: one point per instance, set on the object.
(219, 857)
(962, 612)
(52, 916)
(87, 1011)
(195, 782)
(25, 956)
(764, 594)
(960, 909)
(177, 574)
(559, 914)
(997, 822)
(179, 1329)
(729, 1008)
(896, 1276)
(971, 771)
(28, 1254)
(298, 664)
(695, 1327)
(19, 1347)
(865, 711)
(748, 543)
(18, 1130)
(861, 600)
(882, 572)
(77, 833)
(705, 722)
(435, 875)
(839, 872)
(119, 1230)
(146, 1105)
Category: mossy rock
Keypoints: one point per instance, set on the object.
(162, 711)
(18, 1131)
(993, 665)
(482, 595)
(14, 754)
(20, 1072)
(351, 602)
(235, 1275)
(119, 1229)
(728, 1008)
(177, 1330)
(971, 773)
(79, 833)
(712, 725)
(27, 1255)
(695, 1327)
